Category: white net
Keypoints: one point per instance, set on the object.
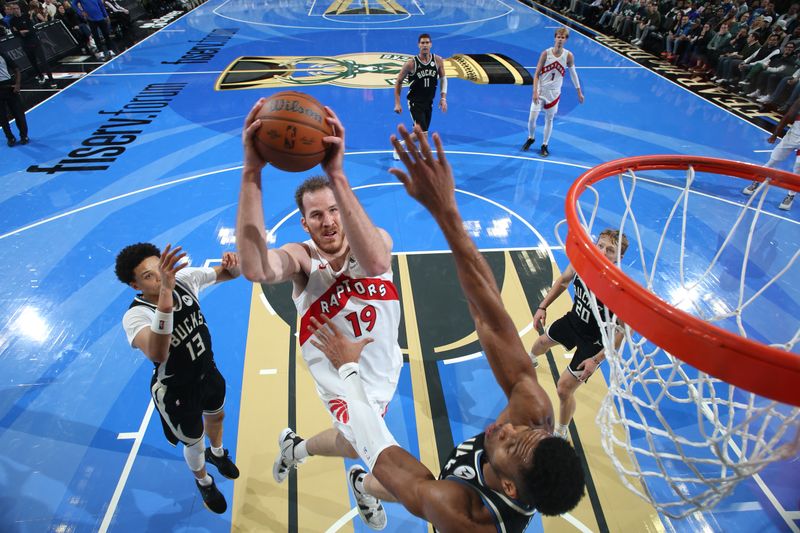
(681, 438)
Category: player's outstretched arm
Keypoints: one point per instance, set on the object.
(430, 181)
(409, 481)
(559, 286)
(371, 245)
(257, 262)
(789, 116)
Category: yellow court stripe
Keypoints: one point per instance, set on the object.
(259, 502)
(334, 7)
(428, 451)
(419, 383)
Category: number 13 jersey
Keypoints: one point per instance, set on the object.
(360, 306)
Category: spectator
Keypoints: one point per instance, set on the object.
(96, 15)
(765, 80)
(76, 25)
(23, 27)
(730, 61)
(707, 60)
(751, 66)
(10, 79)
(651, 22)
(119, 16)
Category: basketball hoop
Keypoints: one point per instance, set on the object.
(700, 360)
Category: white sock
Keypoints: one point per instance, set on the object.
(548, 129)
(206, 481)
(218, 452)
(300, 451)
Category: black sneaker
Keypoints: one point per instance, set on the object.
(24, 140)
(544, 151)
(527, 144)
(224, 464)
(12, 141)
(212, 497)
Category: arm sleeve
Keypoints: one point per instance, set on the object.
(135, 320)
(372, 435)
(573, 74)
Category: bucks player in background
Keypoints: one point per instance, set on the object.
(577, 329)
(498, 479)
(423, 73)
(553, 65)
(164, 321)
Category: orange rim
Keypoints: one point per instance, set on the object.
(745, 363)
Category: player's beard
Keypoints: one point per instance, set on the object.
(327, 245)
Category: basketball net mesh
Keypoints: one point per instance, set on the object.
(680, 438)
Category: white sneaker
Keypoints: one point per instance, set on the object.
(561, 434)
(285, 461)
(369, 507)
(763, 99)
(787, 202)
(754, 94)
(750, 189)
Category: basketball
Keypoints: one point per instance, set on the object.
(292, 128)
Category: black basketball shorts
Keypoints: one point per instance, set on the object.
(567, 336)
(182, 407)
(421, 112)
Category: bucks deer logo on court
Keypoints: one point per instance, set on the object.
(368, 70)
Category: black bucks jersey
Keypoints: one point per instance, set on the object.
(465, 466)
(423, 80)
(190, 355)
(581, 317)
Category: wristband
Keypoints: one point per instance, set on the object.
(542, 308)
(162, 323)
(347, 370)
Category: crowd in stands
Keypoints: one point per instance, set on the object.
(93, 23)
(747, 46)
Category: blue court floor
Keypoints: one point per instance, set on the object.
(147, 148)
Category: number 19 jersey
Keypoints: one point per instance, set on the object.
(360, 306)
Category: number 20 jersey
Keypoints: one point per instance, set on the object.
(360, 306)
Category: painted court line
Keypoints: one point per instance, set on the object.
(448, 152)
(126, 470)
(339, 524)
(267, 371)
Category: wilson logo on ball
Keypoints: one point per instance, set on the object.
(293, 125)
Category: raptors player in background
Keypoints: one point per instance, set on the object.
(342, 272)
(553, 64)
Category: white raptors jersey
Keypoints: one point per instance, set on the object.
(360, 306)
(552, 74)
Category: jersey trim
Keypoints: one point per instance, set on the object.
(335, 298)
